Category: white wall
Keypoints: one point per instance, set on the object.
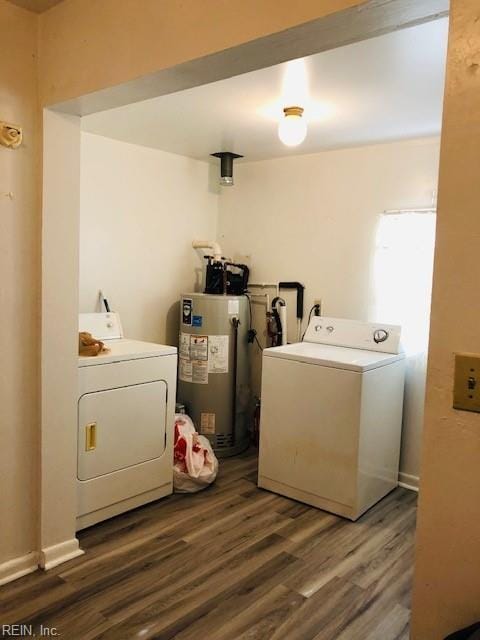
(313, 218)
(140, 210)
(60, 216)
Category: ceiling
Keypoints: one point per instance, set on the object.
(386, 88)
(38, 6)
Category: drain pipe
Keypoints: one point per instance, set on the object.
(209, 244)
(300, 288)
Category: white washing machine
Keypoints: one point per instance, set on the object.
(126, 407)
(331, 416)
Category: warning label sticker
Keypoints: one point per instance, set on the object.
(207, 423)
(201, 355)
(198, 347)
(184, 370)
(199, 371)
(218, 354)
(184, 345)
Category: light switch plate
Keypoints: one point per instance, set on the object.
(466, 389)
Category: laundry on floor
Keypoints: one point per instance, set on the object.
(195, 465)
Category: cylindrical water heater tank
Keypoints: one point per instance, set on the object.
(213, 371)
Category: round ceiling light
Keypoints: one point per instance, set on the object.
(292, 128)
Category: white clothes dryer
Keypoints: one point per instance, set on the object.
(126, 407)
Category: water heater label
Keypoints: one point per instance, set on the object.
(218, 354)
(197, 321)
(184, 345)
(201, 355)
(184, 369)
(195, 371)
(198, 347)
(233, 307)
(199, 372)
(187, 305)
(207, 423)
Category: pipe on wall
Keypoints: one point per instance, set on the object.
(209, 244)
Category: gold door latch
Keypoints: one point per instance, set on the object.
(91, 436)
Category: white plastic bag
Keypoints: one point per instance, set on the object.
(195, 466)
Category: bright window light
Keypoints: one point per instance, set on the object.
(403, 275)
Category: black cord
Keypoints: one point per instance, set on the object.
(315, 306)
(256, 340)
(249, 309)
(252, 334)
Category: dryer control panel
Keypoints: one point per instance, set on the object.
(104, 326)
(341, 332)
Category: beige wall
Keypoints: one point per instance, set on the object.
(107, 42)
(447, 580)
(140, 210)
(314, 218)
(19, 288)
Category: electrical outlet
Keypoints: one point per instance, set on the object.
(466, 391)
(319, 302)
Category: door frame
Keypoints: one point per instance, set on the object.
(60, 229)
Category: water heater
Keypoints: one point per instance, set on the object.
(213, 371)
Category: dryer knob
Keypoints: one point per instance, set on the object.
(109, 325)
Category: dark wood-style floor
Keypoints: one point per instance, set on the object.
(233, 562)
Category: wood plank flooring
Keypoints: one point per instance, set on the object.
(232, 562)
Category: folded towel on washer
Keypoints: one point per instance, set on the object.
(90, 346)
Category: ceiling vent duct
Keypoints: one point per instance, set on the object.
(226, 166)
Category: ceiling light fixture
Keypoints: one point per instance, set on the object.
(292, 128)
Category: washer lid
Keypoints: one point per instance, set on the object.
(124, 349)
(332, 356)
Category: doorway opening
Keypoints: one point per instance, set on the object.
(109, 232)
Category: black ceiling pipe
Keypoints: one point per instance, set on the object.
(226, 166)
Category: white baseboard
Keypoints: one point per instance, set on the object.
(18, 567)
(408, 481)
(52, 556)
